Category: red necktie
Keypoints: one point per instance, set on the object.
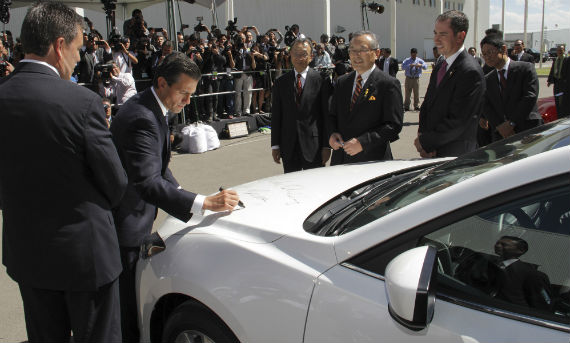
(356, 91)
(441, 72)
(503, 80)
(299, 89)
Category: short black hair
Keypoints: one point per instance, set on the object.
(173, 66)
(493, 31)
(522, 245)
(135, 11)
(458, 23)
(493, 40)
(388, 50)
(45, 22)
(413, 51)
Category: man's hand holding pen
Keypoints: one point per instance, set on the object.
(225, 200)
(351, 147)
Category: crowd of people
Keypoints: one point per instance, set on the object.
(106, 175)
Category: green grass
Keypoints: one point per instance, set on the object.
(543, 71)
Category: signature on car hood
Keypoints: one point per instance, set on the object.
(278, 205)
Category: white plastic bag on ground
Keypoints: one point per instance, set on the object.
(198, 139)
(213, 142)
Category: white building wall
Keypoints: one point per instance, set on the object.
(414, 22)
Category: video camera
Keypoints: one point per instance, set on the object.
(200, 27)
(116, 40)
(232, 28)
(106, 69)
(290, 36)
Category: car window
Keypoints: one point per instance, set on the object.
(350, 212)
(514, 257)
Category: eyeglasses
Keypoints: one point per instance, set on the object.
(358, 52)
(517, 44)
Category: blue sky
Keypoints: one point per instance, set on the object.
(556, 14)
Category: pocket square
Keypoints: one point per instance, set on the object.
(372, 98)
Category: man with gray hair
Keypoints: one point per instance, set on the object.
(366, 110)
(59, 240)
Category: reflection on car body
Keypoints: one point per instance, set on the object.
(360, 252)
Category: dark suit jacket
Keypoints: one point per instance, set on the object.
(393, 65)
(526, 57)
(305, 123)
(522, 284)
(59, 179)
(450, 113)
(519, 102)
(141, 134)
(375, 120)
(87, 63)
(565, 87)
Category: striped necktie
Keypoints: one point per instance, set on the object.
(299, 89)
(356, 91)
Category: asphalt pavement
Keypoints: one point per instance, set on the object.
(237, 161)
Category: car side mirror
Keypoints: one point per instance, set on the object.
(410, 287)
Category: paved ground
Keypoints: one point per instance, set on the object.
(237, 161)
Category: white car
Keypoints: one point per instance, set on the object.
(474, 249)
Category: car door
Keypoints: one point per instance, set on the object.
(503, 275)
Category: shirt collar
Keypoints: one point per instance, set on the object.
(508, 262)
(520, 55)
(162, 107)
(505, 68)
(366, 74)
(28, 60)
(303, 73)
(453, 57)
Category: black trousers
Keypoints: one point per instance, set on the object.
(51, 316)
(129, 317)
(297, 162)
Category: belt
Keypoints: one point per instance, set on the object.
(409, 77)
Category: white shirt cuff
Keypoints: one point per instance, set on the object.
(198, 204)
(275, 147)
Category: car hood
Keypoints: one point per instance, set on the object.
(278, 205)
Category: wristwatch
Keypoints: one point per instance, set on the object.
(512, 123)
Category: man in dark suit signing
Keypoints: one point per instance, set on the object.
(366, 110)
(59, 240)
(452, 105)
(387, 63)
(141, 134)
(300, 104)
(512, 91)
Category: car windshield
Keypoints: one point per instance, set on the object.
(370, 201)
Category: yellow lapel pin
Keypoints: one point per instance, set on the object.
(372, 98)
(366, 92)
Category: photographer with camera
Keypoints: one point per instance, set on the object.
(292, 33)
(136, 27)
(244, 62)
(6, 68)
(259, 77)
(214, 62)
(95, 51)
(113, 84)
(340, 58)
(226, 101)
(122, 56)
(142, 70)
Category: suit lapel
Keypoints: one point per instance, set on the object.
(308, 88)
(367, 89)
(162, 124)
